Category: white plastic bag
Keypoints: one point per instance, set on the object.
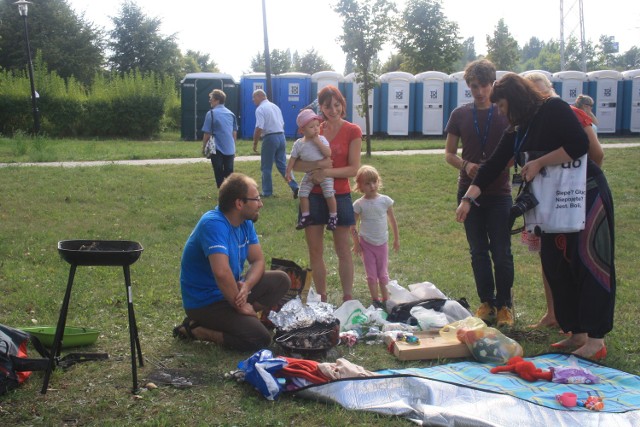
(454, 311)
(350, 314)
(429, 319)
(426, 290)
(398, 295)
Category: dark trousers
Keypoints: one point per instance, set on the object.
(240, 332)
(489, 237)
(222, 166)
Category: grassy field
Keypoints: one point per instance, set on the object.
(158, 206)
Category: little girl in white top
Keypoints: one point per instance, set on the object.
(374, 213)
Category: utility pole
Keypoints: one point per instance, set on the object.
(267, 58)
(563, 17)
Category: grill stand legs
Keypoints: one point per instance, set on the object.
(62, 320)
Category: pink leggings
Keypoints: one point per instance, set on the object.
(376, 262)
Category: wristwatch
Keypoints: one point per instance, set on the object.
(471, 200)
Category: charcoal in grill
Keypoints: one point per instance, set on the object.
(313, 340)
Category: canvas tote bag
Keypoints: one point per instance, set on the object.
(562, 196)
(210, 146)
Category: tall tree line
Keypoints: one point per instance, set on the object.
(423, 37)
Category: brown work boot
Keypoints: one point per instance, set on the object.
(504, 317)
(487, 313)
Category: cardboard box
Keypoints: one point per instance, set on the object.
(431, 346)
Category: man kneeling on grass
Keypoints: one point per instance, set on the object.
(220, 302)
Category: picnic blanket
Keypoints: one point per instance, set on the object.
(466, 393)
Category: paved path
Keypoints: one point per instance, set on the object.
(439, 151)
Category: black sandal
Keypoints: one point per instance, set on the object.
(187, 334)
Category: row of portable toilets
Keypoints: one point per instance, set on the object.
(402, 104)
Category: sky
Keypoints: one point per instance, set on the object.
(231, 31)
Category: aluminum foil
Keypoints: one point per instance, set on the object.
(295, 315)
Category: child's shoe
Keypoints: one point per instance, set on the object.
(304, 222)
(333, 223)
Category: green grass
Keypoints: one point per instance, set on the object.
(158, 206)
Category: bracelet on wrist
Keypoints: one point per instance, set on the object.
(464, 165)
(471, 200)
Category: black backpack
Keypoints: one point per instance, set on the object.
(15, 367)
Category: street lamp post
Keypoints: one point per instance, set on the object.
(23, 9)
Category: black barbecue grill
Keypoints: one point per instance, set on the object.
(97, 253)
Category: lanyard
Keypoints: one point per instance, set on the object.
(517, 146)
(483, 138)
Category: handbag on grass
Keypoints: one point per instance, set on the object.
(210, 146)
(562, 198)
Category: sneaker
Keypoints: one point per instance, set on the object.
(304, 222)
(486, 312)
(504, 317)
(333, 223)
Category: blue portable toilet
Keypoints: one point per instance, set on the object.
(292, 92)
(459, 93)
(325, 78)
(354, 105)
(397, 91)
(569, 84)
(631, 101)
(432, 102)
(605, 87)
(248, 84)
(194, 100)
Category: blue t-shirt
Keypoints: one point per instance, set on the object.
(224, 124)
(213, 234)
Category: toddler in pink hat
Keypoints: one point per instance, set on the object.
(312, 147)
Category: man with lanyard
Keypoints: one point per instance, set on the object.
(270, 125)
(479, 126)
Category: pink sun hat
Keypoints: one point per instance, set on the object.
(305, 116)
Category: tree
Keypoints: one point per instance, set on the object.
(531, 49)
(195, 62)
(467, 53)
(394, 63)
(280, 62)
(68, 44)
(605, 52)
(427, 39)
(548, 58)
(311, 62)
(630, 60)
(573, 55)
(502, 49)
(366, 25)
(137, 44)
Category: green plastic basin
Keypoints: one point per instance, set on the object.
(72, 337)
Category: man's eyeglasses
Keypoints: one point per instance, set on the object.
(255, 199)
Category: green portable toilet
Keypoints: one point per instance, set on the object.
(194, 95)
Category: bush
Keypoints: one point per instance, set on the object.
(124, 106)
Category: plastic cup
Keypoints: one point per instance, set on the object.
(568, 400)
